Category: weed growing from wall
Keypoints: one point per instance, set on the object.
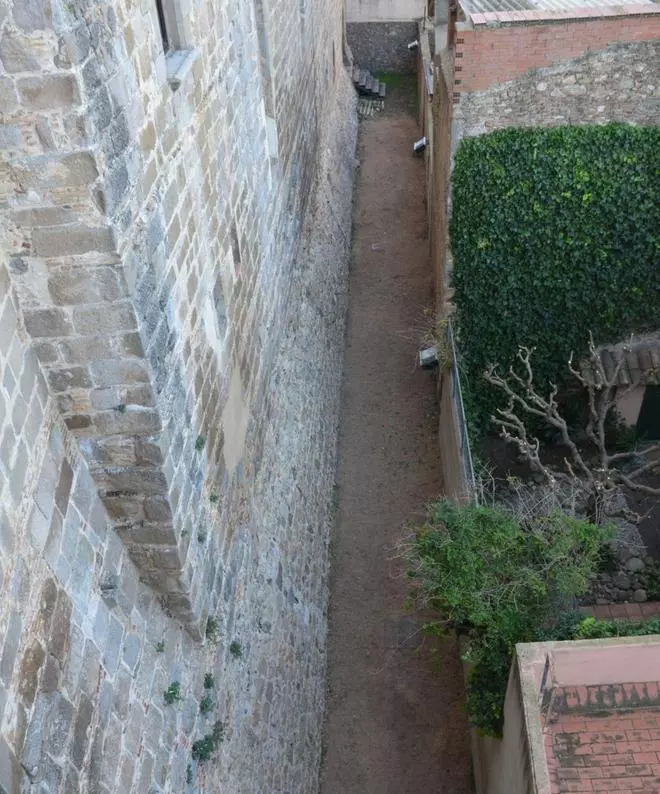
(173, 693)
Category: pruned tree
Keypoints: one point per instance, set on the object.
(600, 473)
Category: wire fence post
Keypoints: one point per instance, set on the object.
(459, 412)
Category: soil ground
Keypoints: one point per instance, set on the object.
(395, 713)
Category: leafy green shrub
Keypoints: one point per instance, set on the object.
(498, 582)
(593, 629)
(554, 233)
(653, 580)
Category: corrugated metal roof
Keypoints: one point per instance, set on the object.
(504, 6)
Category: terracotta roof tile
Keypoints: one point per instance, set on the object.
(638, 360)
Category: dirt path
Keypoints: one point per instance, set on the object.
(395, 720)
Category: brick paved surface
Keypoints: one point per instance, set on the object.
(615, 749)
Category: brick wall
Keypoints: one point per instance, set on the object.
(171, 312)
(485, 56)
(544, 75)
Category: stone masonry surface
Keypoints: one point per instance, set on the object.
(171, 330)
(150, 229)
(619, 83)
(383, 46)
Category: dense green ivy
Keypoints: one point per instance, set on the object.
(554, 233)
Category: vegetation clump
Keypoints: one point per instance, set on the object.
(172, 693)
(554, 234)
(212, 629)
(497, 579)
(203, 749)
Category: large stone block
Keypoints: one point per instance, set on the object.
(8, 96)
(137, 480)
(48, 92)
(31, 15)
(85, 349)
(11, 642)
(58, 241)
(133, 420)
(81, 731)
(61, 380)
(119, 373)
(15, 57)
(104, 319)
(33, 659)
(75, 286)
(47, 323)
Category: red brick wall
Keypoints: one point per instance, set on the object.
(485, 56)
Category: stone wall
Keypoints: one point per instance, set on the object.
(382, 46)
(87, 650)
(171, 326)
(152, 222)
(619, 83)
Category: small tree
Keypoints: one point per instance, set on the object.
(598, 476)
(498, 580)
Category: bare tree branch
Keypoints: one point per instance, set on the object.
(524, 400)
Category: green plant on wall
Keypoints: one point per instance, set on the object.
(172, 693)
(555, 233)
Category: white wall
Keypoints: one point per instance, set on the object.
(384, 10)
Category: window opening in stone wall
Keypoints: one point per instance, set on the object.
(265, 68)
(175, 23)
(162, 24)
(235, 246)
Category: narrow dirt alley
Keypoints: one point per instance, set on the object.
(395, 717)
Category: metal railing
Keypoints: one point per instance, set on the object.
(459, 414)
